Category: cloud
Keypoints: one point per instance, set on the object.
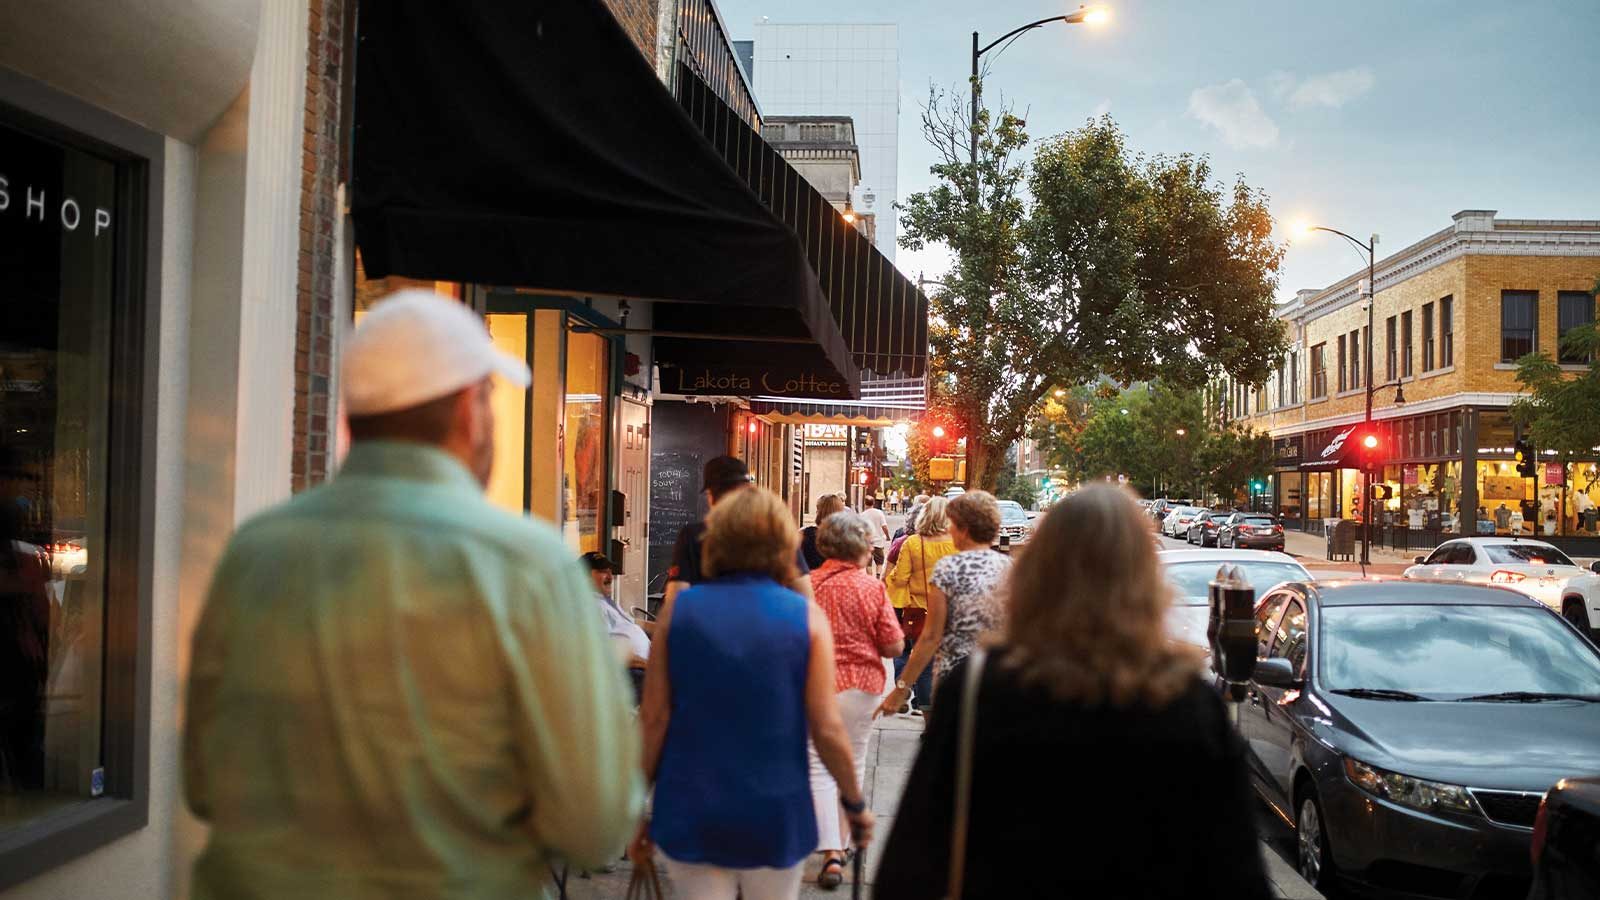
(1332, 90)
(1102, 108)
(1280, 83)
(1232, 109)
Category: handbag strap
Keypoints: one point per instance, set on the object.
(964, 753)
(922, 558)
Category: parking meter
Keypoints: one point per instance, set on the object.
(1231, 630)
(1005, 544)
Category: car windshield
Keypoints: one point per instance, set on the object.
(1526, 554)
(1448, 652)
(1011, 514)
(1192, 578)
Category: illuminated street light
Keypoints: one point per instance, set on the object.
(1060, 392)
(1180, 432)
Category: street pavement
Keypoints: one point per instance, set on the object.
(890, 753)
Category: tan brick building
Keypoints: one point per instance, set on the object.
(1451, 315)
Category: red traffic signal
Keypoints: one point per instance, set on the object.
(1371, 450)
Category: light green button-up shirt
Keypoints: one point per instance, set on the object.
(399, 690)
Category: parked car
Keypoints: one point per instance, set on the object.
(1580, 601)
(1176, 524)
(1203, 530)
(1014, 522)
(1190, 573)
(1566, 841)
(1410, 728)
(1257, 530)
(1531, 567)
(1164, 505)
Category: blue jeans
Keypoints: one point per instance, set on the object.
(922, 691)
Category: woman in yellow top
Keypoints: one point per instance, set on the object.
(908, 579)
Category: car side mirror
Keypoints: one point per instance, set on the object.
(1419, 560)
(1276, 672)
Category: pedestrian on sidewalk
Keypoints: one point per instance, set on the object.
(630, 639)
(722, 476)
(963, 594)
(740, 670)
(865, 633)
(827, 505)
(1103, 765)
(396, 687)
(918, 555)
(878, 524)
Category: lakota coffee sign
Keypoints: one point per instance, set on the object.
(751, 381)
(1287, 451)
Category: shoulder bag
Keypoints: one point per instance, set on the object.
(965, 743)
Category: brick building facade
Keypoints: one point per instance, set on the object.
(1451, 315)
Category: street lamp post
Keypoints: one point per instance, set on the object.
(1079, 16)
(1370, 248)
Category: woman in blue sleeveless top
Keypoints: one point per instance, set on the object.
(740, 671)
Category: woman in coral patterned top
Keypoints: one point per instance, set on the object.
(865, 633)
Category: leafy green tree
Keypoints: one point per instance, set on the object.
(1089, 260)
(1011, 486)
(1561, 411)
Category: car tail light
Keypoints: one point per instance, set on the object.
(1504, 576)
(1540, 829)
(1277, 529)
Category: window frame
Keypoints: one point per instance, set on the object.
(1319, 371)
(1447, 331)
(1294, 376)
(1427, 337)
(1406, 360)
(63, 835)
(1391, 348)
(1532, 299)
(1585, 301)
(1344, 363)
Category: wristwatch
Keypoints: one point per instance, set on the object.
(901, 686)
(854, 809)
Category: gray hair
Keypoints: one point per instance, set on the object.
(844, 536)
(933, 522)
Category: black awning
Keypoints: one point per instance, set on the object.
(530, 144)
(1339, 453)
(883, 316)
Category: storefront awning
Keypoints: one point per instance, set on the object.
(531, 145)
(884, 401)
(883, 316)
(1339, 453)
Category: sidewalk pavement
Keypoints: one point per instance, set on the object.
(890, 753)
(1311, 550)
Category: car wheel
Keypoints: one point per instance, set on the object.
(1313, 856)
(1572, 610)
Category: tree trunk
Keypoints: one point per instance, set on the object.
(980, 474)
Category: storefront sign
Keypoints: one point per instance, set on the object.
(36, 203)
(1408, 474)
(744, 381)
(1287, 451)
(826, 435)
(1555, 473)
(1338, 454)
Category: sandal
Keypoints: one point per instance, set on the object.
(832, 874)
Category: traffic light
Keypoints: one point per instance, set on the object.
(1527, 459)
(1371, 451)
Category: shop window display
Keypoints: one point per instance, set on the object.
(584, 453)
(58, 229)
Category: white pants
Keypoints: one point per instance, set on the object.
(701, 882)
(856, 708)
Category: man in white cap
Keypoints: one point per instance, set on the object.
(397, 689)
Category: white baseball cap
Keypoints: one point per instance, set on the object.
(415, 346)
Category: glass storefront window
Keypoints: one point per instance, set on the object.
(59, 223)
(1506, 503)
(1290, 501)
(1317, 505)
(584, 455)
(508, 482)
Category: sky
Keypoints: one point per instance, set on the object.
(1370, 116)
